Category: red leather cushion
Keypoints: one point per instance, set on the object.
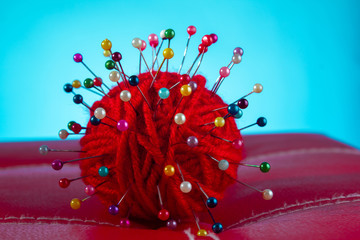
(314, 179)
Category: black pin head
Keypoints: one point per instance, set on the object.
(95, 121)
(68, 88)
(78, 99)
(133, 80)
(261, 122)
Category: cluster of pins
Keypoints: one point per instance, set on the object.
(97, 86)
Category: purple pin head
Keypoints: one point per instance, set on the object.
(78, 57)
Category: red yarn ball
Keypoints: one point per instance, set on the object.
(137, 157)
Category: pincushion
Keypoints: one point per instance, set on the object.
(137, 157)
(159, 146)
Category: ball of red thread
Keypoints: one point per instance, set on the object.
(137, 156)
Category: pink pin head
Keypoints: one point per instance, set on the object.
(122, 125)
(153, 40)
(78, 57)
(97, 81)
(239, 51)
(224, 72)
(206, 40)
(191, 30)
(202, 48)
(89, 190)
(124, 222)
(214, 37)
(143, 45)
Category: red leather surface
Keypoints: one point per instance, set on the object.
(315, 181)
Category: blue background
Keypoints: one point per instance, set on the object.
(305, 53)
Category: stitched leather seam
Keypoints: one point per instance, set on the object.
(306, 151)
(288, 209)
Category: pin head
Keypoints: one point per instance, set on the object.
(109, 64)
(100, 113)
(133, 80)
(103, 171)
(125, 95)
(124, 222)
(162, 34)
(202, 233)
(75, 203)
(137, 42)
(223, 165)
(233, 109)
(243, 103)
(106, 44)
(153, 40)
(202, 48)
(95, 121)
(169, 170)
(214, 37)
(193, 85)
(179, 118)
(43, 150)
(185, 90)
(68, 88)
(143, 45)
(185, 187)
(237, 143)
(169, 34)
(89, 190)
(114, 76)
(76, 128)
(217, 228)
(63, 134)
(97, 81)
(191, 30)
(185, 78)
(261, 122)
(219, 122)
(267, 194)
(57, 164)
(76, 84)
(238, 115)
(64, 183)
(122, 125)
(163, 215)
(88, 83)
(106, 53)
(192, 141)
(236, 58)
(211, 202)
(78, 57)
(206, 40)
(168, 53)
(113, 210)
(224, 72)
(257, 88)
(239, 51)
(116, 56)
(171, 224)
(164, 93)
(265, 167)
